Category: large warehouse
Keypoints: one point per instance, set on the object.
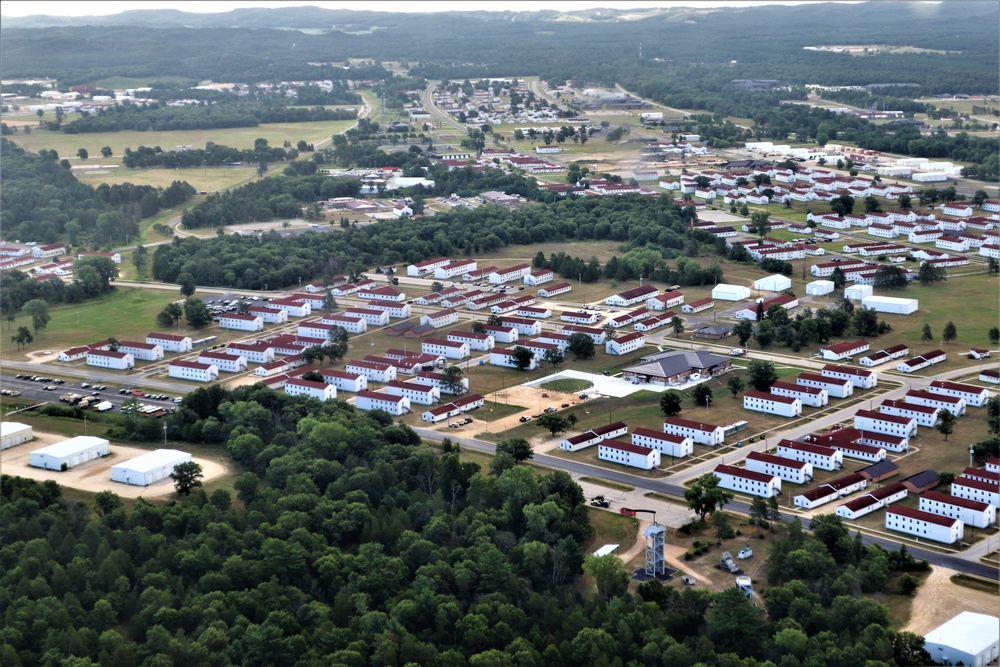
(69, 453)
(149, 468)
(890, 304)
(969, 638)
(13, 434)
(724, 292)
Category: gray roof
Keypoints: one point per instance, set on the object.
(923, 478)
(675, 362)
(716, 329)
(881, 468)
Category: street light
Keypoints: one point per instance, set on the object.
(164, 434)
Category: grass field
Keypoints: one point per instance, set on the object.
(203, 179)
(127, 314)
(238, 137)
(610, 528)
(606, 483)
(567, 384)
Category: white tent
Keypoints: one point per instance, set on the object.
(724, 292)
(149, 468)
(773, 283)
(820, 287)
(69, 453)
(14, 433)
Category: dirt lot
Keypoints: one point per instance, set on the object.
(531, 398)
(938, 600)
(95, 475)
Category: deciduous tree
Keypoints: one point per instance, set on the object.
(186, 476)
(705, 496)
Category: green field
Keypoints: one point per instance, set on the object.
(610, 528)
(126, 314)
(202, 179)
(238, 137)
(567, 384)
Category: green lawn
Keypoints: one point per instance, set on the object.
(567, 385)
(203, 179)
(126, 314)
(611, 485)
(610, 528)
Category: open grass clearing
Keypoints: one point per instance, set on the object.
(567, 384)
(610, 528)
(976, 584)
(202, 179)
(237, 137)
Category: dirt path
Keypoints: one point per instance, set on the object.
(671, 554)
(938, 599)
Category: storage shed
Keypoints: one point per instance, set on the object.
(13, 434)
(69, 453)
(820, 287)
(149, 468)
(857, 292)
(969, 638)
(889, 304)
(774, 283)
(724, 292)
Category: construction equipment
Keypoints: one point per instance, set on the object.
(727, 563)
(600, 501)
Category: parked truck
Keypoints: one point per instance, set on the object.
(104, 406)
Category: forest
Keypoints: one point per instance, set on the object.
(42, 201)
(638, 223)
(348, 542)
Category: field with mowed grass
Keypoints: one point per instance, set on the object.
(126, 314)
(67, 145)
(202, 179)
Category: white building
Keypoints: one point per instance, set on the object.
(293, 307)
(554, 290)
(517, 272)
(889, 304)
(922, 361)
(503, 356)
(425, 267)
(830, 491)
(524, 326)
(539, 277)
(192, 370)
(872, 501)
(924, 524)
(456, 407)
(257, 353)
(923, 415)
(633, 296)
(747, 481)
(416, 392)
(170, 342)
(868, 420)
(759, 401)
(974, 396)
(441, 318)
(724, 292)
(371, 316)
(701, 433)
(858, 377)
(310, 388)
(344, 381)
(990, 375)
(625, 344)
(675, 446)
(457, 268)
(635, 456)
(475, 341)
(143, 351)
(857, 292)
(445, 348)
(70, 453)
(269, 315)
(953, 404)
(789, 470)
(149, 468)
(976, 489)
(820, 287)
(375, 400)
(824, 458)
(373, 371)
(970, 512)
(354, 325)
(229, 363)
(844, 350)
(13, 434)
(774, 283)
(836, 387)
(241, 322)
(575, 443)
(119, 361)
(968, 639)
(812, 396)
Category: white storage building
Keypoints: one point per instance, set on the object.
(820, 287)
(890, 304)
(13, 434)
(148, 468)
(724, 292)
(857, 292)
(969, 638)
(68, 453)
(774, 283)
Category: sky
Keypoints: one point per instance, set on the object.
(102, 8)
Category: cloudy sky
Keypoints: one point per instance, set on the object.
(100, 8)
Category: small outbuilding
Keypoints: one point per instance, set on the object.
(149, 468)
(13, 434)
(890, 304)
(774, 283)
(969, 638)
(69, 453)
(857, 292)
(820, 287)
(724, 292)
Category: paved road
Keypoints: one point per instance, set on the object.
(92, 375)
(661, 486)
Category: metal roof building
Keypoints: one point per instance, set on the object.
(970, 638)
(149, 468)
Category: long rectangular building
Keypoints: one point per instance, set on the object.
(789, 470)
(972, 512)
(824, 458)
(924, 524)
(748, 481)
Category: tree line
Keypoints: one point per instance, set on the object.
(348, 542)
